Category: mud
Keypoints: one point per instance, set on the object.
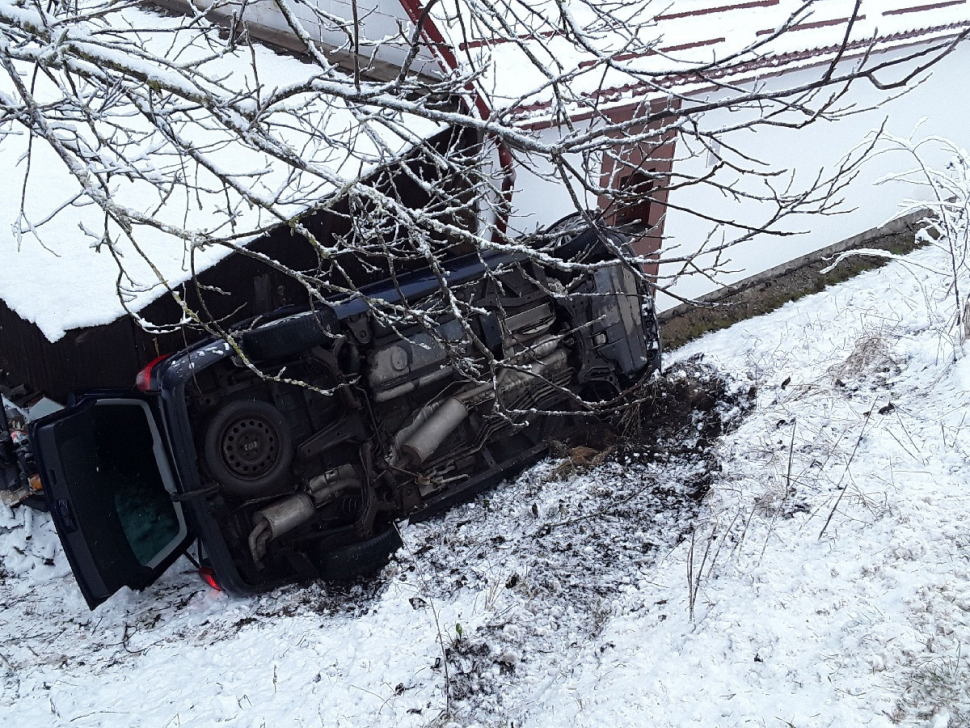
(548, 552)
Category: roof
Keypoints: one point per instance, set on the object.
(668, 45)
(57, 272)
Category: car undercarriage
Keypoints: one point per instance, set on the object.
(291, 448)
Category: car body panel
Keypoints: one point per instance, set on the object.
(109, 485)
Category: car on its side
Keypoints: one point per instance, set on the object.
(290, 450)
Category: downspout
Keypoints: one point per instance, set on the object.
(476, 105)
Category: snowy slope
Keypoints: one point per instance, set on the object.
(860, 625)
(828, 568)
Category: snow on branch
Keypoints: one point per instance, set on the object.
(162, 142)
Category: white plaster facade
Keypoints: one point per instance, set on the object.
(938, 106)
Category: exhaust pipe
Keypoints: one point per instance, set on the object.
(427, 438)
(420, 445)
(284, 515)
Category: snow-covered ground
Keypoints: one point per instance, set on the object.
(821, 581)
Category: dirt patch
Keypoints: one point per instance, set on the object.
(547, 554)
(686, 323)
(685, 410)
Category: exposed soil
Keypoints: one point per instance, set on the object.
(540, 546)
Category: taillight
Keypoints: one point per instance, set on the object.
(143, 381)
(209, 577)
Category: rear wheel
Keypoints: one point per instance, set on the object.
(247, 447)
(359, 559)
(573, 239)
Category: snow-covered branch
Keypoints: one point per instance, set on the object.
(180, 139)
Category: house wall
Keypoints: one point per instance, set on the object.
(541, 196)
(941, 101)
(544, 195)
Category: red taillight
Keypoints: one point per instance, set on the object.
(209, 577)
(143, 381)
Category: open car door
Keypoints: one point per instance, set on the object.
(109, 484)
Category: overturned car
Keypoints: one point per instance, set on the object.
(290, 451)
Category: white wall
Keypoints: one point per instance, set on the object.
(800, 155)
(943, 99)
(541, 196)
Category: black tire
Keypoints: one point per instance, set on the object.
(359, 559)
(573, 239)
(289, 336)
(247, 447)
(570, 226)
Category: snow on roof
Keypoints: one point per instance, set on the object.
(667, 42)
(55, 270)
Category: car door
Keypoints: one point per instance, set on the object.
(109, 484)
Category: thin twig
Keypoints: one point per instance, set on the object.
(791, 452)
(845, 472)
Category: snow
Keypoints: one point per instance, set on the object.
(828, 561)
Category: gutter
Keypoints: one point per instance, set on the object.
(476, 105)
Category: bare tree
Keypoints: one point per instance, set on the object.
(186, 137)
(170, 142)
(944, 213)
